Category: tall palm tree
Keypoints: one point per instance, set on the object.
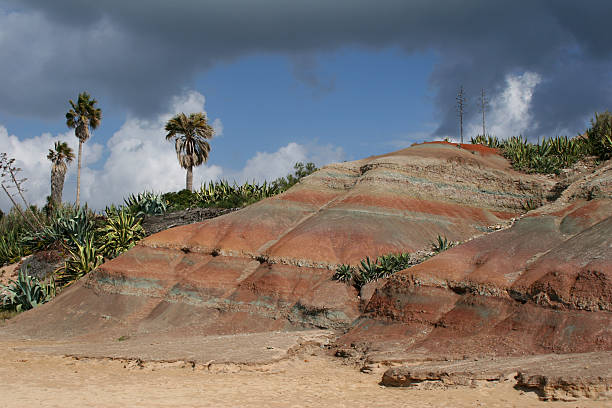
(60, 155)
(82, 117)
(190, 134)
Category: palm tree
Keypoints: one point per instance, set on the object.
(190, 134)
(82, 117)
(59, 156)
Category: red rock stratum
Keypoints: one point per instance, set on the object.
(542, 285)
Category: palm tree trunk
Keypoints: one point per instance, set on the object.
(189, 181)
(78, 201)
(54, 200)
(58, 176)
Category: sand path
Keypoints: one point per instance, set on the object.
(47, 379)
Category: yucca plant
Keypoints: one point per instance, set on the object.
(26, 292)
(549, 156)
(120, 233)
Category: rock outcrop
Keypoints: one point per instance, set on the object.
(269, 266)
(568, 377)
(544, 285)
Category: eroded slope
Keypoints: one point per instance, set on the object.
(544, 285)
(269, 266)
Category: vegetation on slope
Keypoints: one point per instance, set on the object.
(386, 265)
(554, 154)
(87, 238)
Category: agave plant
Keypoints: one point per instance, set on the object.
(489, 141)
(344, 273)
(549, 156)
(599, 136)
(82, 260)
(146, 203)
(27, 292)
(530, 204)
(389, 264)
(120, 233)
(366, 272)
(441, 244)
(69, 225)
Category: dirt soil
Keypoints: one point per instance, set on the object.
(269, 369)
(8, 272)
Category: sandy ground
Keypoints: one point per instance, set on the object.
(7, 273)
(308, 379)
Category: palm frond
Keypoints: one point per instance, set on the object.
(189, 134)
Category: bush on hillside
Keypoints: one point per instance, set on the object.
(554, 154)
(548, 157)
(599, 136)
(301, 170)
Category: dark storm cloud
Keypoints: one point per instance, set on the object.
(139, 53)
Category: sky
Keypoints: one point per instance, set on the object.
(283, 82)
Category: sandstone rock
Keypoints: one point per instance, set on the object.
(269, 266)
(552, 377)
(543, 285)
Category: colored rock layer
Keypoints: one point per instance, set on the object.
(544, 285)
(539, 286)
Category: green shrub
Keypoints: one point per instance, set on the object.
(488, 140)
(222, 194)
(599, 136)
(26, 292)
(12, 228)
(146, 203)
(366, 272)
(180, 200)
(225, 195)
(301, 170)
(11, 248)
(530, 204)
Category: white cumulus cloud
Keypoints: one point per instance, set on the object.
(509, 113)
(138, 158)
(217, 125)
(270, 166)
(31, 156)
